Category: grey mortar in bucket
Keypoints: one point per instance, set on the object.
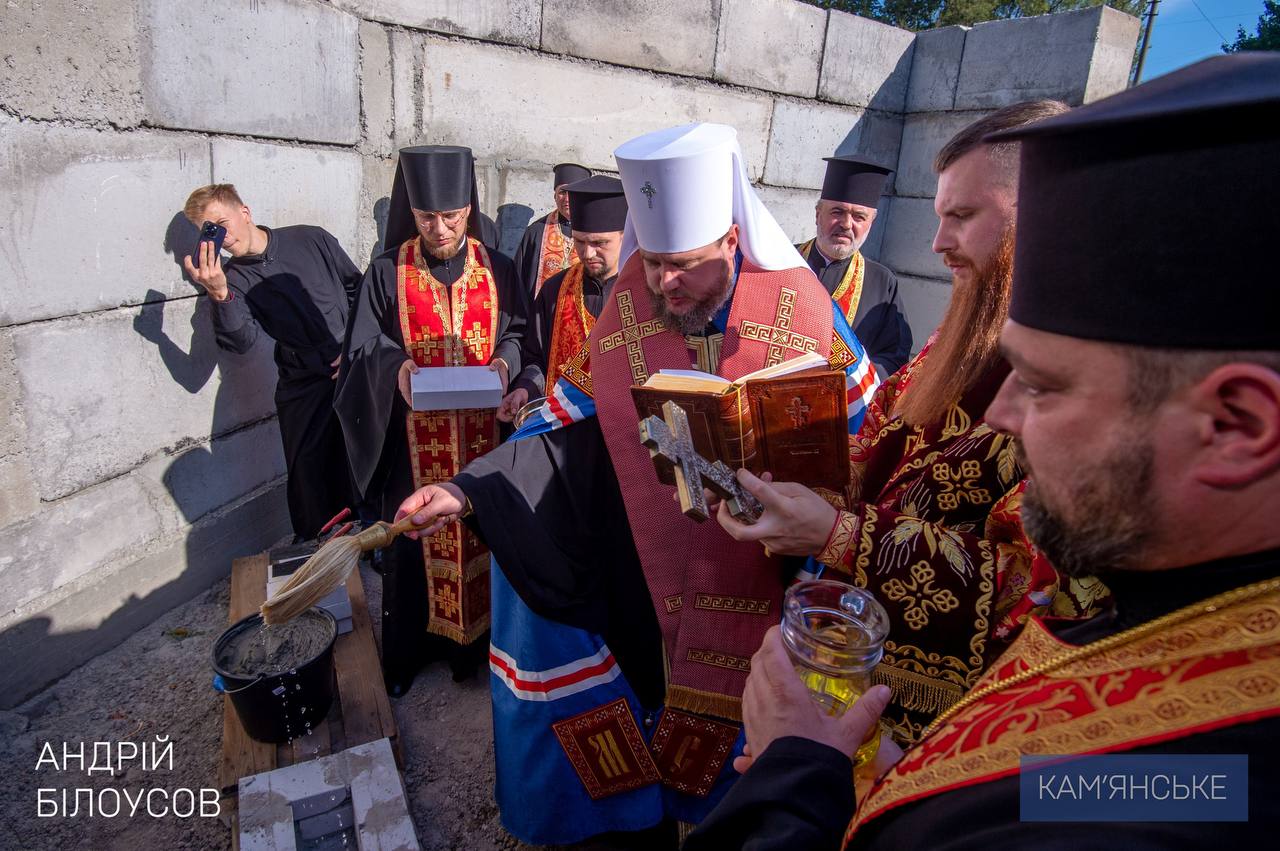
(279, 678)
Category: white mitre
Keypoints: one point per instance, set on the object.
(685, 186)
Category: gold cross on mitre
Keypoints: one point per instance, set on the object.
(630, 335)
(779, 335)
(671, 448)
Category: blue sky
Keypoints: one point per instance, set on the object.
(1183, 36)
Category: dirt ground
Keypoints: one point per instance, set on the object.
(158, 683)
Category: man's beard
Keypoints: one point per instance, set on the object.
(1112, 503)
(695, 319)
(446, 252)
(966, 344)
(836, 252)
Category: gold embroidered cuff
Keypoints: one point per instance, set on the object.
(840, 539)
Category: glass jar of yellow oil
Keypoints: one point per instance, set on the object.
(834, 633)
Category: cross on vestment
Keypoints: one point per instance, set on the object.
(630, 335)
(671, 448)
(779, 335)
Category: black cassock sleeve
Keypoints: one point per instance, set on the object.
(372, 354)
(550, 510)
(797, 796)
(513, 310)
(529, 255)
(342, 267)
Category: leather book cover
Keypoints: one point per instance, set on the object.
(801, 428)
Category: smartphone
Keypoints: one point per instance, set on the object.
(210, 232)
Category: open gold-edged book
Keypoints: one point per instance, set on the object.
(790, 419)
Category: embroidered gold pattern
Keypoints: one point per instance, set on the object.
(719, 660)
(741, 605)
(919, 595)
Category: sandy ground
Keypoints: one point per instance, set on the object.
(159, 683)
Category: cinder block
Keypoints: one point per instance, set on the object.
(866, 63)
(95, 422)
(71, 59)
(88, 216)
(1026, 58)
(286, 185)
(284, 70)
(923, 135)
(803, 133)
(376, 107)
(406, 96)
(45, 639)
(18, 498)
(793, 208)
(559, 109)
(908, 239)
(874, 244)
(88, 530)
(1113, 55)
(925, 302)
(935, 69)
(771, 44)
(375, 201)
(672, 36)
(509, 21)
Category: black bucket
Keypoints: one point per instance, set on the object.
(279, 706)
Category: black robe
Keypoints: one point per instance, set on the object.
(880, 323)
(529, 252)
(535, 349)
(373, 415)
(799, 794)
(298, 292)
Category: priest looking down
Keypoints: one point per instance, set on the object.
(933, 528)
(866, 291)
(617, 619)
(570, 302)
(296, 285)
(1147, 409)
(436, 297)
(546, 247)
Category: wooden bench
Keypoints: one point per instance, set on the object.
(360, 713)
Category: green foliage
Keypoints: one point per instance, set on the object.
(925, 14)
(1267, 36)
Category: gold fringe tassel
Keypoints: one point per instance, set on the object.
(705, 702)
(917, 692)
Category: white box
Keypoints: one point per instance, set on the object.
(449, 388)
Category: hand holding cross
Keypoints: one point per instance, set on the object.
(671, 448)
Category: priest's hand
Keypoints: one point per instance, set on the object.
(335, 364)
(407, 369)
(433, 508)
(512, 403)
(209, 274)
(796, 521)
(499, 366)
(776, 703)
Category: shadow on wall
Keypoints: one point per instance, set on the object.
(35, 654)
(513, 219)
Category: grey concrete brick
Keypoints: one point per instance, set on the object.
(770, 44)
(1113, 55)
(908, 239)
(406, 99)
(287, 185)
(672, 36)
(105, 204)
(376, 107)
(935, 69)
(45, 639)
(1016, 60)
(71, 59)
(510, 21)
(793, 208)
(284, 70)
(375, 201)
(564, 110)
(925, 302)
(107, 391)
(923, 135)
(18, 497)
(866, 63)
(803, 132)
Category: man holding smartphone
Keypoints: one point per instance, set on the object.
(295, 284)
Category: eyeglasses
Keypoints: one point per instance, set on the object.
(451, 218)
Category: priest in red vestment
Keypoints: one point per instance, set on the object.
(547, 245)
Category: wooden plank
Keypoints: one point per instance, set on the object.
(242, 755)
(366, 709)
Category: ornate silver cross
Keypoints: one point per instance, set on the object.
(671, 448)
(649, 192)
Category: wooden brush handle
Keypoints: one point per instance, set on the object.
(382, 533)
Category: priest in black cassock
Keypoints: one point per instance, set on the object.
(866, 291)
(547, 245)
(435, 297)
(295, 284)
(570, 302)
(1146, 401)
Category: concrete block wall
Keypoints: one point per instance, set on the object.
(136, 459)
